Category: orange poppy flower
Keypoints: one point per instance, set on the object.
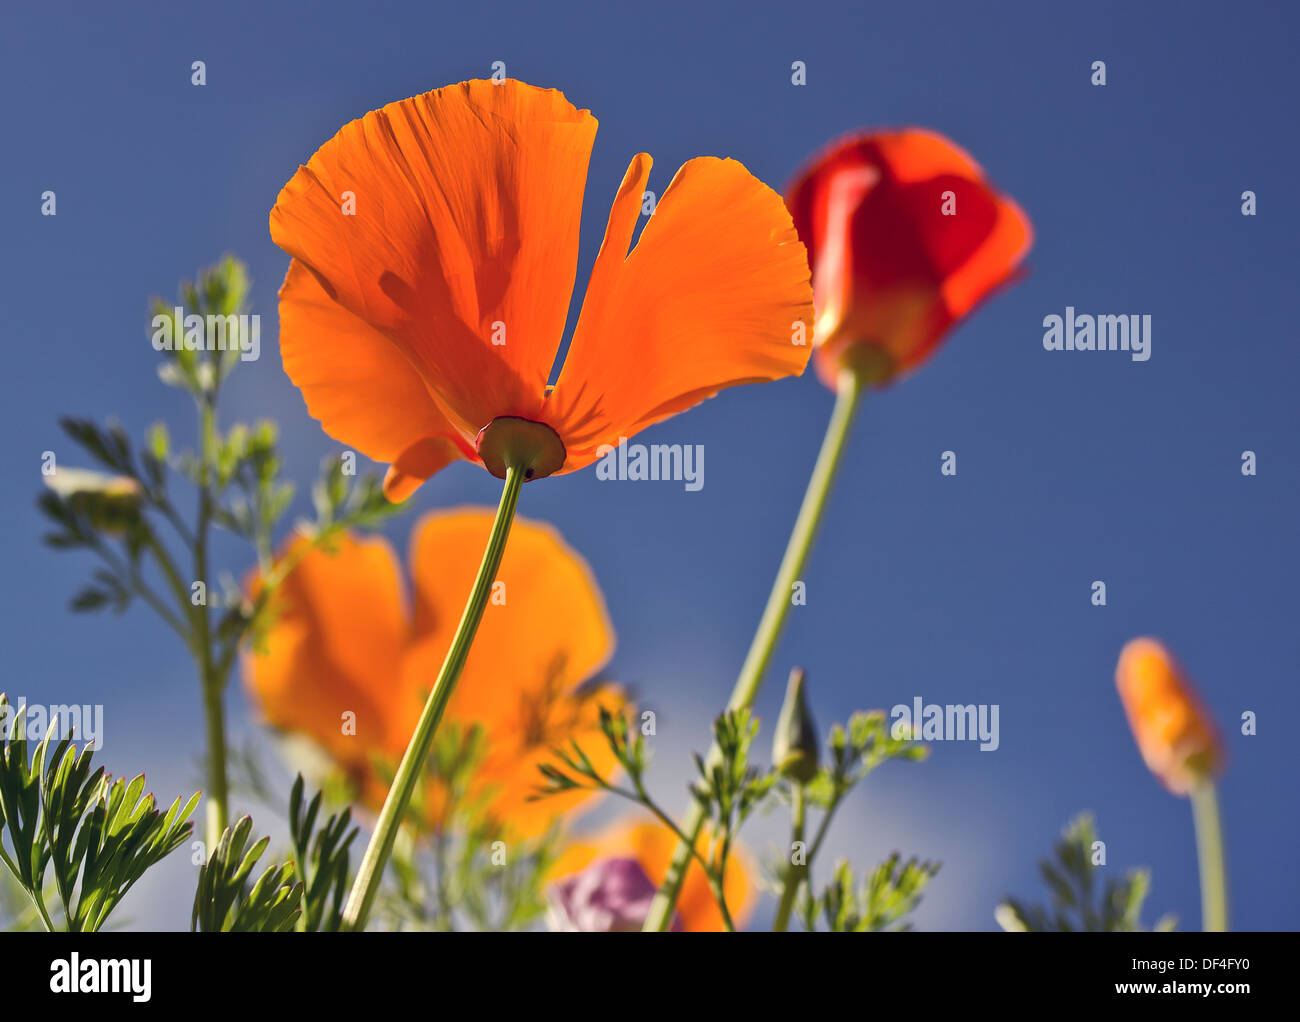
(344, 649)
(905, 236)
(435, 246)
(1174, 732)
(652, 845)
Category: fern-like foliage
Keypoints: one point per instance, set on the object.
(225, 903)
(1079, 898)
(323, 859)
(95, 835)
(891, 891)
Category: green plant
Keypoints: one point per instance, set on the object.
(1079, 899)
(95, 836)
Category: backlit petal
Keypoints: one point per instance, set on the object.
(511, 765)
(465, 231)
(545, 621)
(544, 632)
(358, 384)
(334, 648)
(707, 299)
(418, 462)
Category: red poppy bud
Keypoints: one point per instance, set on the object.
(905, 236)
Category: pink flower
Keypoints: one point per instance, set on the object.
(610, 896)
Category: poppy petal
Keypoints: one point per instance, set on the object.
(357, 383)
(1005, 246)
(544, 630)
(334, 647)
(462, 238)
(418, 462)
(510, 767)
(707, 299)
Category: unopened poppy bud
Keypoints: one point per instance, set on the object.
(69, 482)
(795, 747)
(905, 236)
(1174, 732)
(111, 503)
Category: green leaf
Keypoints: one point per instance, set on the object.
(881, 902)
(1078, 900)
(224, 901)
(99, 838)
(322, 858)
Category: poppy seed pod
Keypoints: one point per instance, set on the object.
(795, 749)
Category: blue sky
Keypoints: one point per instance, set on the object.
(1071, 466)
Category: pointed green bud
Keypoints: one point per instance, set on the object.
(795, 745)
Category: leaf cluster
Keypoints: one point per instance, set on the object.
(224, 900)
(1078, 898)
(95, 835)
(886, 895)
(322, 856)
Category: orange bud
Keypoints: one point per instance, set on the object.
(1174, 732)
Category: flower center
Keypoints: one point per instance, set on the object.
(509, 441)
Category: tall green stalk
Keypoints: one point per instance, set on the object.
(850, 387)
(795, 873)
(1209, 853)
(211, 681)
(371, 871)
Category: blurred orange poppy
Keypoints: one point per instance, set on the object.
(1174, 732)
(652, 845)
(346, 664)
(905, 236)
(435, 246)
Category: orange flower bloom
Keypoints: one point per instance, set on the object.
(435, 246)
(652, 845)
(343, 641)
(905, 237)
(1174, 733)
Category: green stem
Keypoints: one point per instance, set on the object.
(795, 873)
(824, 826)
(715, 876)
(847, 397)
(720, 897)
(1209, 850)
(211, 680)
(371, 871)
(46, 921)
(218, 808)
